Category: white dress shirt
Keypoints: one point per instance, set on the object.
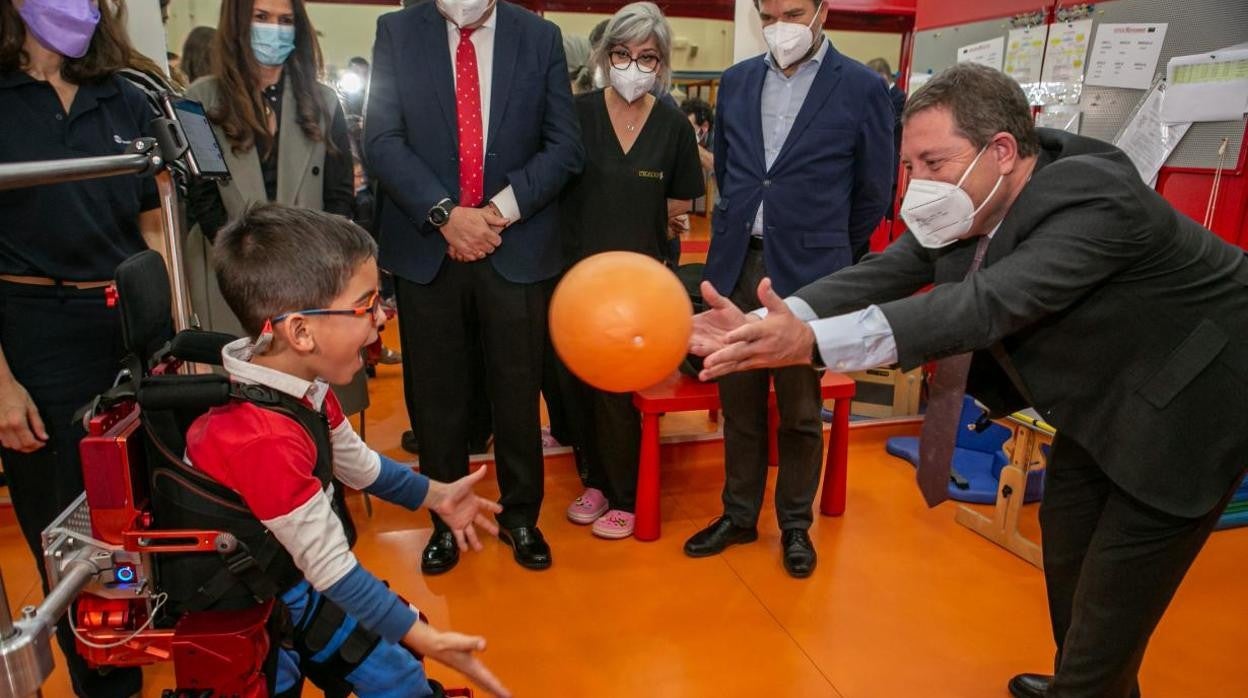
(483, 43)
(854, 341)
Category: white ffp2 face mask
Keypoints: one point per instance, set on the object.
(940, 213)
(788, 41)
(631, 83)
(463, 12)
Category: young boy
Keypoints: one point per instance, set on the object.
(305, 285)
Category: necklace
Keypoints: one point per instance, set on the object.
(624, 116)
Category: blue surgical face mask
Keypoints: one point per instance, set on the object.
(272, 43)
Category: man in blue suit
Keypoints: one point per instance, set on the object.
(804, 163)
(471, 131)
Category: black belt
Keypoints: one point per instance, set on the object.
(756, 242)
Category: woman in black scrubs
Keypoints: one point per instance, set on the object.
(641, 170)
(60, 342)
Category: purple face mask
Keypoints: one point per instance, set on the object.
(65, 26)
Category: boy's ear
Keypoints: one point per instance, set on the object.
(299, 333)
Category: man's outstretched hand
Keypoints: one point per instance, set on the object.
(710, 328)
(780, 339)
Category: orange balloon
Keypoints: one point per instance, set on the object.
(621, 321)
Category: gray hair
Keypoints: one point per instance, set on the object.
(634, 23)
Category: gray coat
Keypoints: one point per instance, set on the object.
(300, 182)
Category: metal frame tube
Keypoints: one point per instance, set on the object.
(76, 576)
(29, 174)
(26, 654)
(19, 175)
(6, 616)
(171, 219)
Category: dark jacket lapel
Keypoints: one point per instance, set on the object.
(754, 110)
(506, 51)
(437, 52)
(825, 82)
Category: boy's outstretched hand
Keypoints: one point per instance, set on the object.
(456, 651)
(462, 509)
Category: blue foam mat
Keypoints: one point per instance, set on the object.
(1234, 520)
(978, 457)
(981, 470)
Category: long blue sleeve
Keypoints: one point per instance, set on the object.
(371, 603)
(399, 484)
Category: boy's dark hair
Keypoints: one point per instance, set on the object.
(701, 110)
(277, 259)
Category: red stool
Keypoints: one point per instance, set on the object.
(680, 393)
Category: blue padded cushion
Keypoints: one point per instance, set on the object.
(978, 457)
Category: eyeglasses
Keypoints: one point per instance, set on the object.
(621, 59)
(369, 308)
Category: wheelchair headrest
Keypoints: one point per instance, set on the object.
(200, 346)
(144, 303)
(194, 392)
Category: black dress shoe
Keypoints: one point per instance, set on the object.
(1030, 685)
(409, 442)
(799, 553)
(719, 535)
(441, 553)
(527, 546)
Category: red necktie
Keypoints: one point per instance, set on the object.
(468, 110)
(944, 408)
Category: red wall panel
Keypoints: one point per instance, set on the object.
(930, 14)
(1188, 191)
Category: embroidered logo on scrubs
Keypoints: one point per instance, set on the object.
(650, 174)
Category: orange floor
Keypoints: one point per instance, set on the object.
(904, 602)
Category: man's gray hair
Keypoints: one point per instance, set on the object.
(983, 102)
(634, 23)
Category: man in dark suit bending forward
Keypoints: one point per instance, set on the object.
(1122, 321)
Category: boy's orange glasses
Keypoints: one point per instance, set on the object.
(367, 309)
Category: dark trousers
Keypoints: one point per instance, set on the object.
(480, 421)
(480, 414)
(743, 397)
(1111, 565)
(613, 446)
(468, 311)
(64, 346)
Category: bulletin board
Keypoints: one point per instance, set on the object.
(937, 49)
(1195, 26)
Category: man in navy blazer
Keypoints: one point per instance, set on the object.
(470, 163)
(804, 163)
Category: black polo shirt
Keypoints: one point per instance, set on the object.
(74, 231)
(619, 201)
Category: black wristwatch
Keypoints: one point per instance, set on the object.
(440, 213)
(816, 358)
